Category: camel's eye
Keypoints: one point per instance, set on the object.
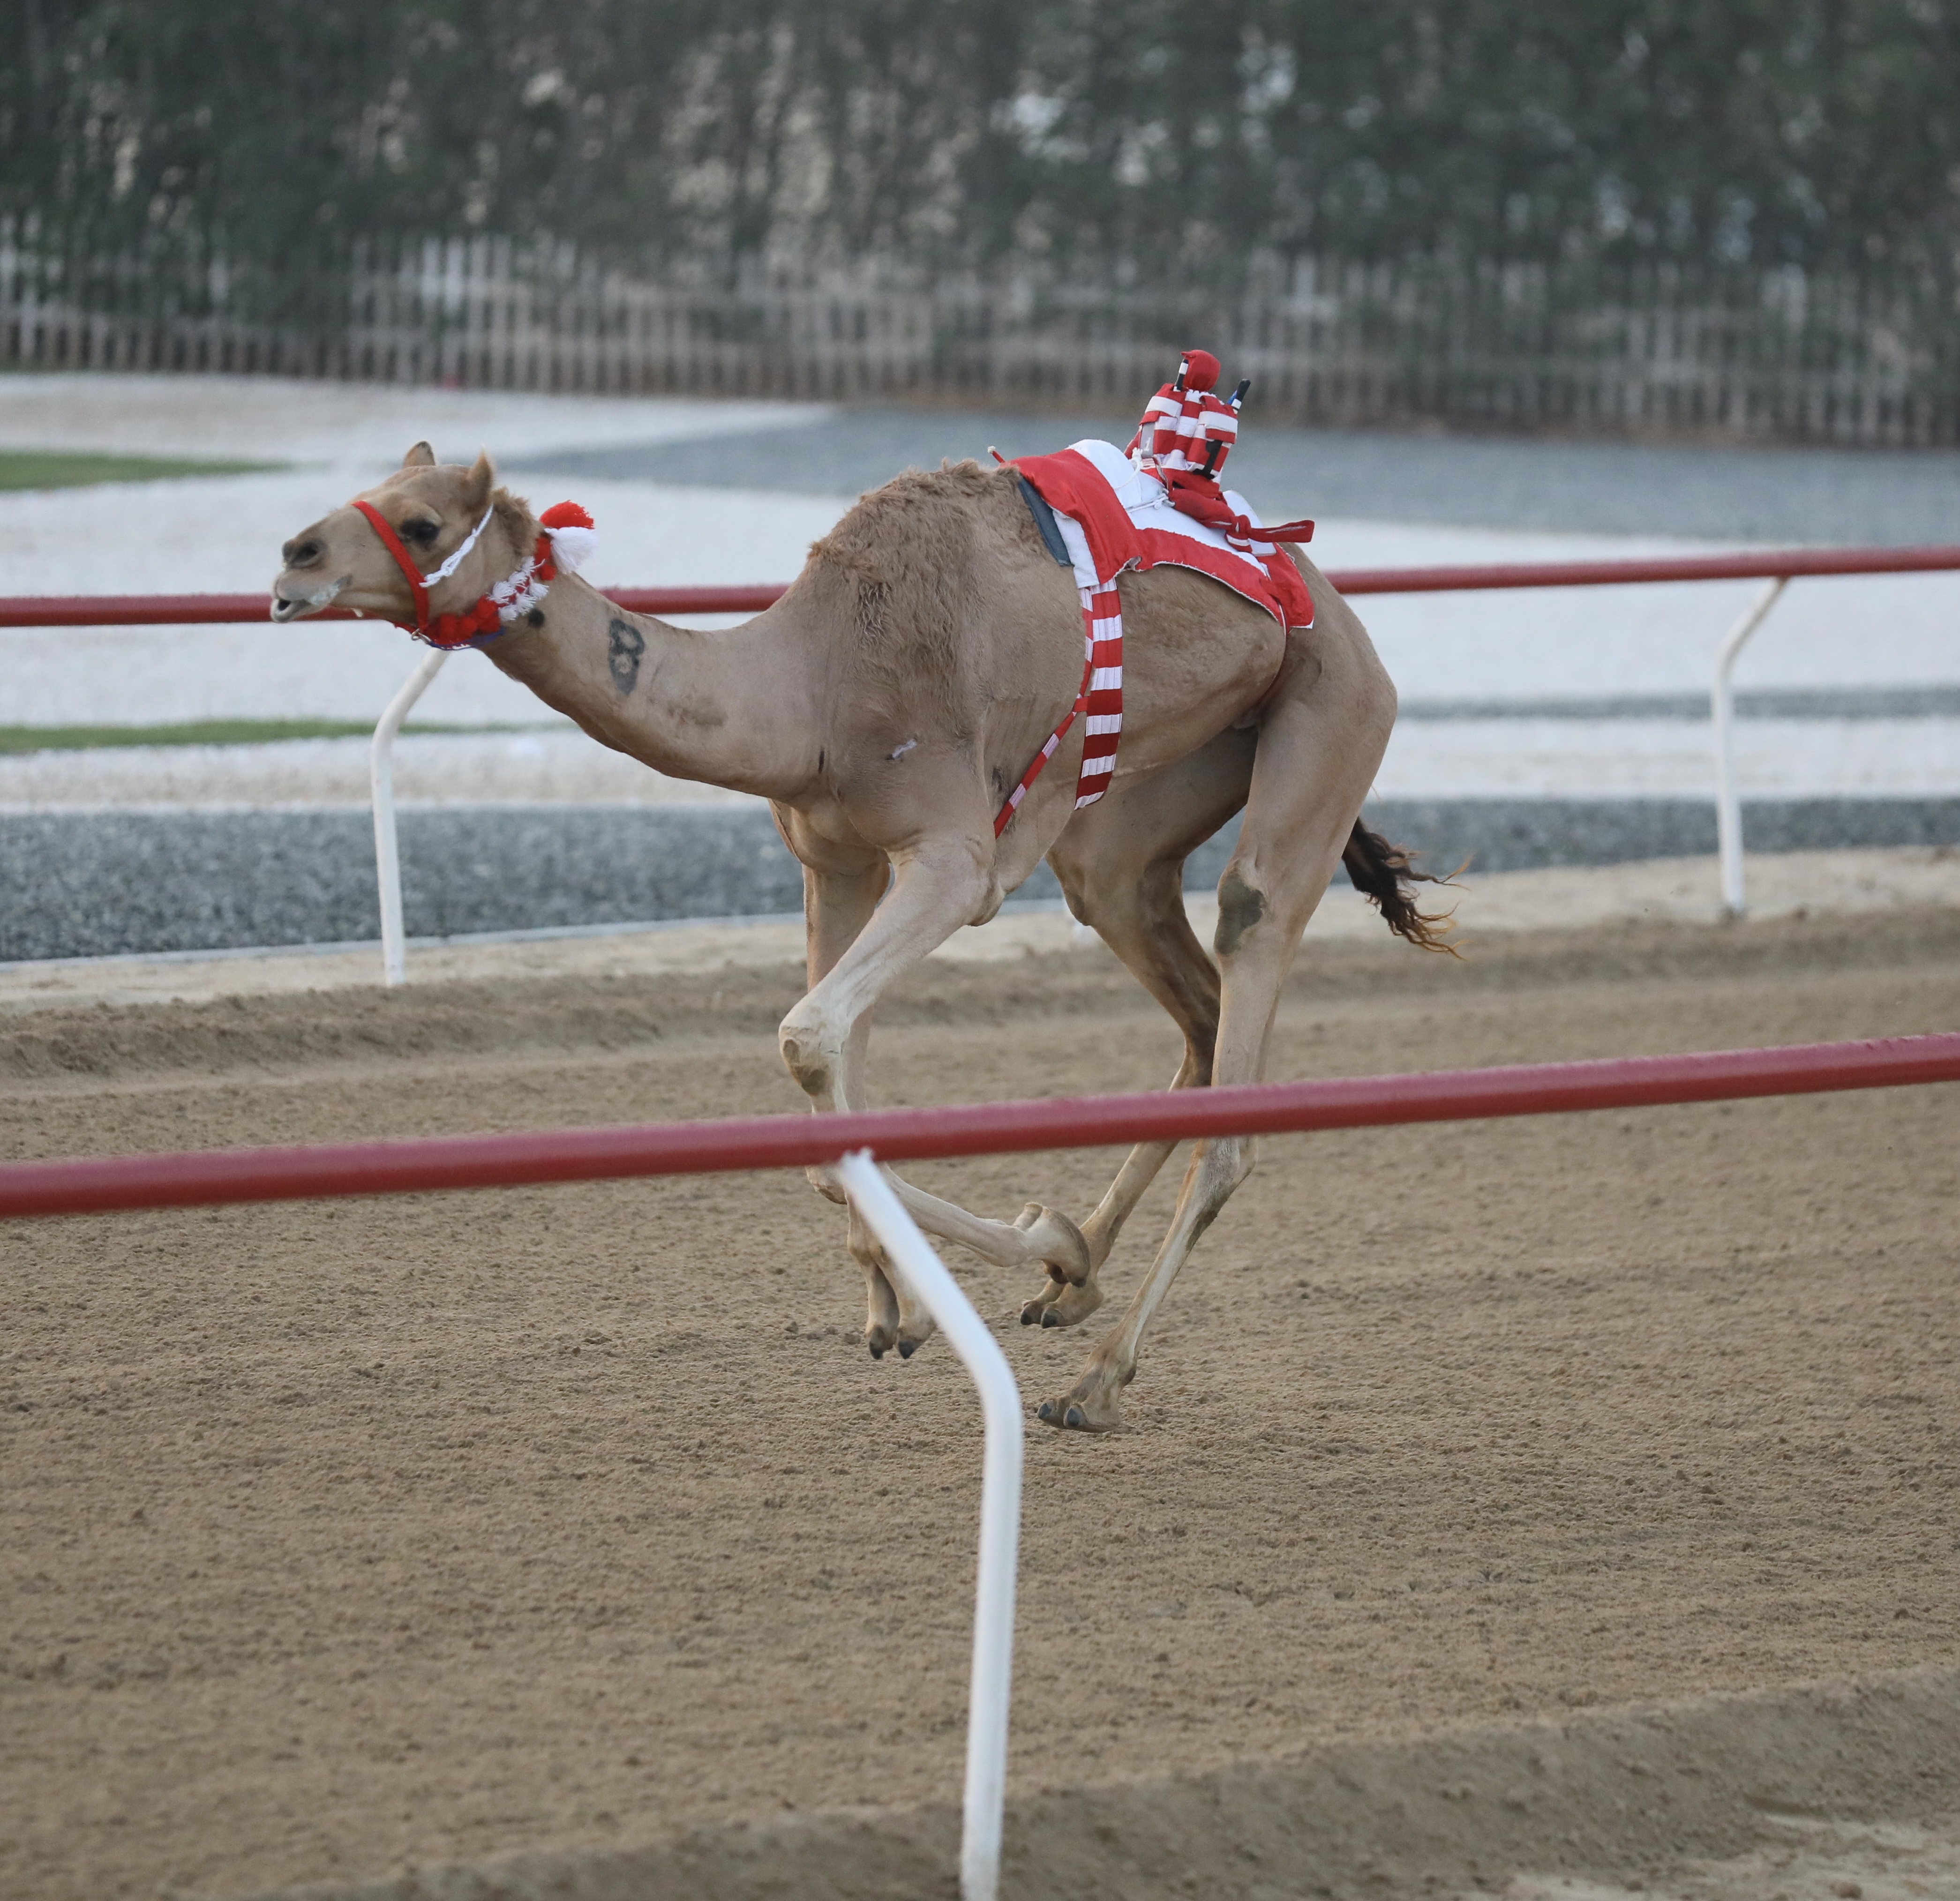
(422, 531)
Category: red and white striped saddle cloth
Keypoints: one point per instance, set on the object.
(1111, 514)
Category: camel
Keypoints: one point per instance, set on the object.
(884, 706)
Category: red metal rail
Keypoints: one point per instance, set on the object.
(194, 610)
(97, 1185)
(1787, 564)
(204, 610)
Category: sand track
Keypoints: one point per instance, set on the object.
(336, 1538)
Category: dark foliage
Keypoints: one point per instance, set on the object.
(1124, 134)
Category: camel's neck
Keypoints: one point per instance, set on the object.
(735, 708)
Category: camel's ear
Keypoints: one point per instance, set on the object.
(481, 477)
(420, 456)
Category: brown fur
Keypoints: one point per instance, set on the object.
(903, 560)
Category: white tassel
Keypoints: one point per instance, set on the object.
(572, 548)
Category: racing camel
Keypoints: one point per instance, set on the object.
(885, 707)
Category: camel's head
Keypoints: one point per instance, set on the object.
(341, 561)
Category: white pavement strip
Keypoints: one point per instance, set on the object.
(285, 419)
(430, 769)
(222, 534)
(1592, 643)
(1668, 890)
(1427, 759)
(1637, 759)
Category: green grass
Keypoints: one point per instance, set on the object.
(57, 469)
(15, 740)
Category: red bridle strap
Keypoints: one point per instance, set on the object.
(392, 542)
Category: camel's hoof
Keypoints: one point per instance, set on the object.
(1062, 1304)
(907, 1348)
(877, 1351)
(1031, 1314)
(1069, 1415)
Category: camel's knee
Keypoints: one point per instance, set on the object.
(1229, 1160)
(1222, 1167)
(811, 1050)
(1242, 908)
(825, 1182)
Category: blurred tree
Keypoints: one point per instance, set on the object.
(1132, 136)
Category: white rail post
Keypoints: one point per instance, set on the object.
(381, 777)
(1722, 705)
(912, 1254)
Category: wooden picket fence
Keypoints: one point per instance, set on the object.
(1653, 350)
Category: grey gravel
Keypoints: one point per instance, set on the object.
(91, 884)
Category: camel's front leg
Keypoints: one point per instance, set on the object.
(939, 887)
(841, 891)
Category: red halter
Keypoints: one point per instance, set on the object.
(392, 542)
(484, 620)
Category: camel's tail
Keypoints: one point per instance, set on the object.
(1386, 875)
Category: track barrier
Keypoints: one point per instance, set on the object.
(1002, 1460)
(90, 1185)
(1777, 567)
(847, 1144)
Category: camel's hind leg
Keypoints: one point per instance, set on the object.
(1320, 742)
(1121, 863)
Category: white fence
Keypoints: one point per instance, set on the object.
(1767, 355)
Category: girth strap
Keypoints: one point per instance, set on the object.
(1099, 701)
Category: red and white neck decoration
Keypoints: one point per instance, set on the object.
(567, 542)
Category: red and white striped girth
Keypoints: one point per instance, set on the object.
(1099, 702)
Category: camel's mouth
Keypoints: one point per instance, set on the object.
(293, 607)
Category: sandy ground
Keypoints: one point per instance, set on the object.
(341, 1537)
(1818, 1858)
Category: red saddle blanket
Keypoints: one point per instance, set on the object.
(1126, 520)
(1110, 516)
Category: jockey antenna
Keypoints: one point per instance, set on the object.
(1238, 394)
